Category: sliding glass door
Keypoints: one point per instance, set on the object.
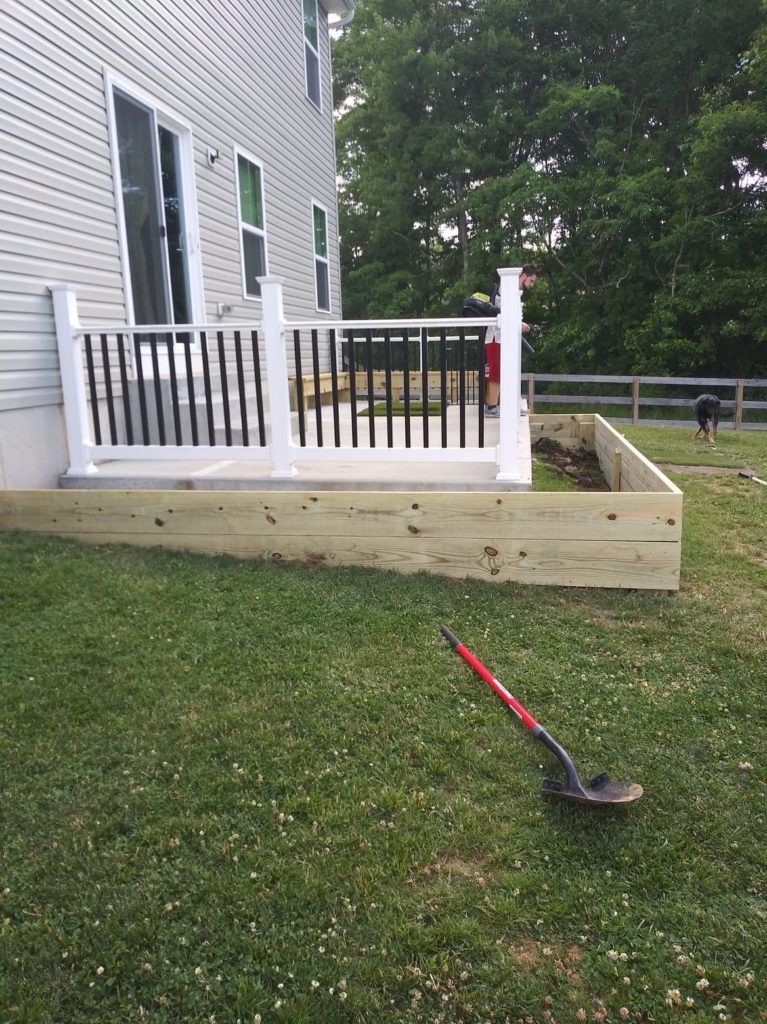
(154, 214)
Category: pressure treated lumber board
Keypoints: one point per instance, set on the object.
(637, 472)
(594, 516)
(640, 565)
(574, 430)
(568, 539)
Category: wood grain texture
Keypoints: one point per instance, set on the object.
(596, 516)
(629, 538)
(597, 540)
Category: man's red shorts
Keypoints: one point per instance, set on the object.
(493, 362)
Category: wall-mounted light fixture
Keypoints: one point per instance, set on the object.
(213, 156)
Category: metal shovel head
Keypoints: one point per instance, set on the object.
(601, 790)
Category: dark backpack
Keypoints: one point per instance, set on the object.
(480, 304)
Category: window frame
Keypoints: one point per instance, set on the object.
(165, 117)
(315, 205)
(243, 226)
(315, 51)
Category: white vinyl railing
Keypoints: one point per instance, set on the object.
(152, 425)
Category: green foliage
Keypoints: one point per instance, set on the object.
(621, 146)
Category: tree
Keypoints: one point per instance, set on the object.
(619, 144)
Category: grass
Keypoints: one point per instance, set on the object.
(740, 449)
(398, 409)
(646, 412)
(240, 791)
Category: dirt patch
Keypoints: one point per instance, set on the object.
(456, 868)
(698, 469)
(531, 955)
(580, 465)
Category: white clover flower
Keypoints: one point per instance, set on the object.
(99, 970)
(702, 985)
(673, 997)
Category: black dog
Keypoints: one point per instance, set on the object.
(707, 414)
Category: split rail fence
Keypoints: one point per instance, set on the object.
(747, 404)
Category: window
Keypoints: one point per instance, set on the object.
(250, 191)
(312, 52)
(321, 266)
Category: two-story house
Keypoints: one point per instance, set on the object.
(158, 156)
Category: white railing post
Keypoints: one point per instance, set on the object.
(76, 416)
(277, 377)
(511, 372)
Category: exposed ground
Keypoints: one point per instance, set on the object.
(580, 466)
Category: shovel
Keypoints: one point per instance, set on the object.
(750, 476)
(601, 790)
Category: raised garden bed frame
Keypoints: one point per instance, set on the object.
(629, 537)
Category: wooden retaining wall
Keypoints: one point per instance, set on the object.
(629, 539)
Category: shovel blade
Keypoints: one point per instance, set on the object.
(601, 790)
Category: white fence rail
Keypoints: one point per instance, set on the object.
(224, 391)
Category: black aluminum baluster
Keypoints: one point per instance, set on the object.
(317, 393)
(425, 385)
(334, 383)
(462, 386)
(481, 385)
(352, 386)
(157, 389)
(224, 389)
(142, 403)
(259, 388)
(174, 386)
(125, 390)
(92, 389)
(208, 388)
(406, 381)
(387, 375)
(443, 383)
(241, 386)
(371, 389)
(190, 388)
(108, 389)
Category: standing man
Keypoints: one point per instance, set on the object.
(527, 279)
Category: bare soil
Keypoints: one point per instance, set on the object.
(580, 465)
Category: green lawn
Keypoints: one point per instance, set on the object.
(236, 791)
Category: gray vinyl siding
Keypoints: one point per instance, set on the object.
(234, 72)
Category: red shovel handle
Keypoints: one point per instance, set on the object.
(519, 710)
